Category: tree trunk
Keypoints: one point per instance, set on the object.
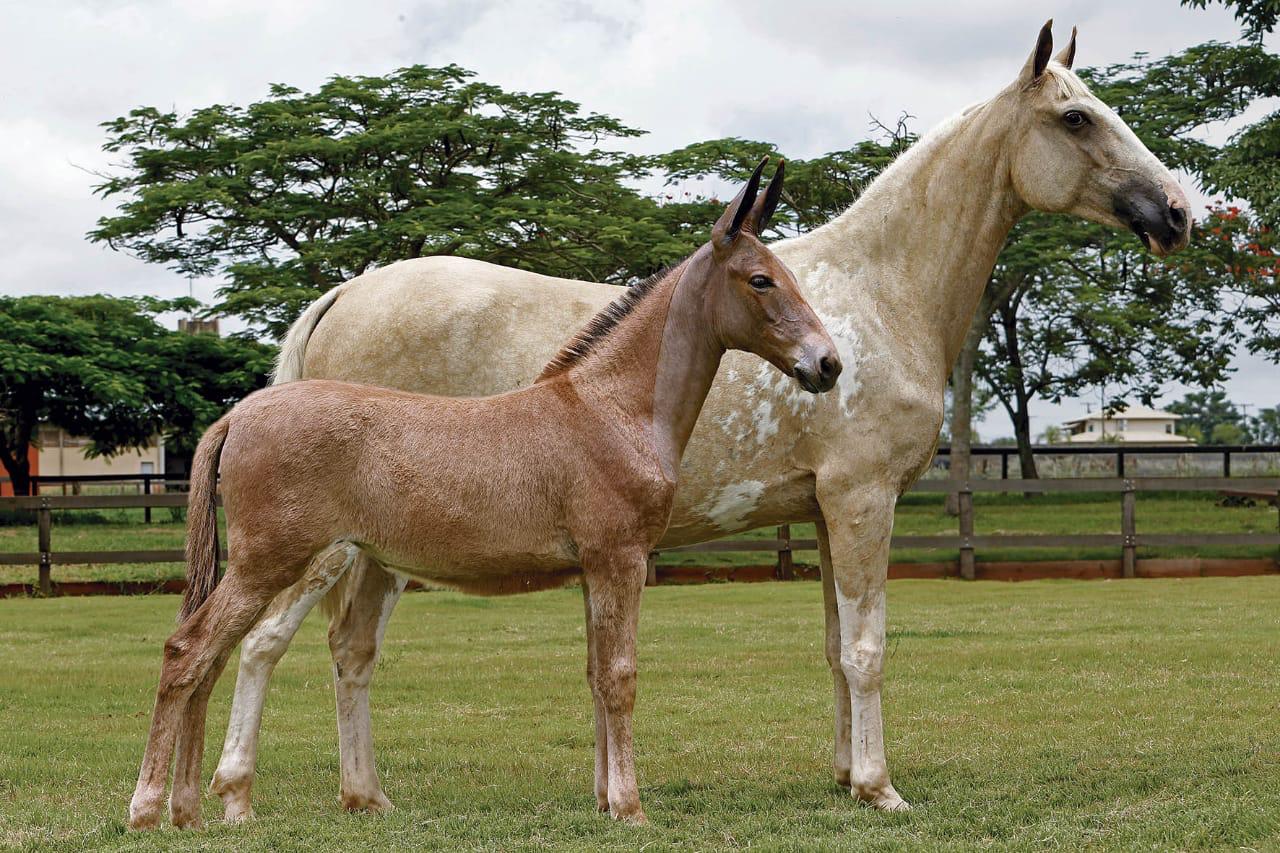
(15, 449)
(18, 466)
(962, 410)
(1020, 413)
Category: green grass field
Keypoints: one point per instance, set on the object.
(918, 514)
(1114, 715)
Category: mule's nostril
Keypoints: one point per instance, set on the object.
(828, 367)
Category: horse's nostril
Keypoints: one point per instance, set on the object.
(1177, 217)
(828, 367)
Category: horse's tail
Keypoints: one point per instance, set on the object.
(202, 519)
(293, 352)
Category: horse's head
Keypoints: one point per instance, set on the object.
(1070, 153)
(753, 299)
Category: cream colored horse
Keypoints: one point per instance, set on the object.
(896, 279)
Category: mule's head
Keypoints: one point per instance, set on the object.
(753, 300)
(1071, 153)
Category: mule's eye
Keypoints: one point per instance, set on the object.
(1075, 118)
(760, 282)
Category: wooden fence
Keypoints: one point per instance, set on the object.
(965, 542)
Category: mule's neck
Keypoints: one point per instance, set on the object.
(918, 246)
(657, 365)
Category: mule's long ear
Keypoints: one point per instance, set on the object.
(1067, 55)
(730, 222)
(1040, 56)
(762, 210)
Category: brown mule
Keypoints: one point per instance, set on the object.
(571, 477)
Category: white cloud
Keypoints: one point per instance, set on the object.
(804, 74)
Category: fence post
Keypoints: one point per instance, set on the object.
(968, 569)
(1129, 529)
(786, 570)
(1226, 463)
(651, 569)
(146, 490)
(44, 520)
(1119, 463)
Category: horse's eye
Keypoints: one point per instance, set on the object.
(1075, 118)
(760, 282)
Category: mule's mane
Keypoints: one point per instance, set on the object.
(605, 322)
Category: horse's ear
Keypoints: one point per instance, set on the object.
(764, 207)
(1067, 55)
(1040, 56)
(730, 222)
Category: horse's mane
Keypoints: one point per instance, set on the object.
(605, 322)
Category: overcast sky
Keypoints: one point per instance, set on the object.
(805, 75)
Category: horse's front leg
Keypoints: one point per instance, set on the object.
(842, 749)
(859, 522)
(356, 630)
(615, 582)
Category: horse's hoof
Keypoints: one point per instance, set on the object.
(144, 816)
(885, 799)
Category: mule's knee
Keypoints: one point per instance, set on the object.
(616, 684)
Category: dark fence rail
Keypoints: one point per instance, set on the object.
(1119, 452)
(965, 541)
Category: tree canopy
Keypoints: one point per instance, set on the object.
(104, 368)
(296, 193)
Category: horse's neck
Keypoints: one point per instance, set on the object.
(658, 365)
(918, 247)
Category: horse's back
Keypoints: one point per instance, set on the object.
(449, 326)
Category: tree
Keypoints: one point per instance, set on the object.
(1265, 426)
(294, 194)
(104, 368)
(1258, 16)
(1210, 416)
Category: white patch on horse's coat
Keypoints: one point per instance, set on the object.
(729, 507)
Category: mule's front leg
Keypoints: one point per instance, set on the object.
(355, 640)
(616, 583)
(858, 526)
(598, 711)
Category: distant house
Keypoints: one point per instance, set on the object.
(1136, 425)
(63, 455)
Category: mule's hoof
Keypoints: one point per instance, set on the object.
(375, 803)
(633, 816)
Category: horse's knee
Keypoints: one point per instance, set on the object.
(863, 665)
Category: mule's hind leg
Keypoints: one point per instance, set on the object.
(190, 654)
(263, 647)
(184, 800)
(356, 630)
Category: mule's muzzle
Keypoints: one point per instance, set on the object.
(1161, 222)
(818, 372)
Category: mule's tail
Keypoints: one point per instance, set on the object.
(202, 519)
(293, 352)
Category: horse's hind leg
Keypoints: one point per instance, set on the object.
(262, 650)
(356, 630)
(601, 715)
(191, 654)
